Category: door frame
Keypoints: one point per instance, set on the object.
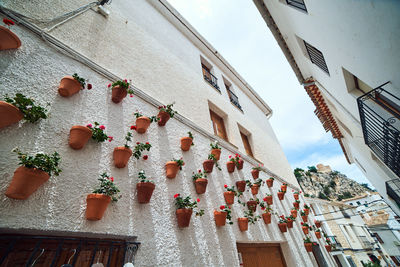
(250, 244)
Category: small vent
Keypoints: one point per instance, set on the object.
(316, 57)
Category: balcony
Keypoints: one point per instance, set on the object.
(211, 79)
(393, 190)
(234, 99)
(335, 244)
(366, 244)
(380, 121)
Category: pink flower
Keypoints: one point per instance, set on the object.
(89, 86)
(89, 125)
(109, 85)
(145, 157)
(102, 127)
(110, 138)
(176, 195)
(198, 200)
(230, 156)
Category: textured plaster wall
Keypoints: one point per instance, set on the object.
(59, 205)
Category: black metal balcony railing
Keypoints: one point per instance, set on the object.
(380, 121)
(366, 244)
(211, 79)
(234, 99)
(393, 190)
(335, 244)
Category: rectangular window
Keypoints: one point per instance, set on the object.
(246, 144)
(232, 97)
(316, 57)
(207, 74)
(218, 125)
(297, 4)
(378, 237)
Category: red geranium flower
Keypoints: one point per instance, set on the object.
(89, 125)
(110, 138)
(102, 127)
(176, 195)
(230, 156)
(145, 157)
(112, 179)
(198, 200)
(130, 95)
(147, 143)
(263, 208)
(222, 207)
(199, 171)
(226, 186)
(133, 127)
(137, 143)
(109, 85)
(265, 198)
(89, 86)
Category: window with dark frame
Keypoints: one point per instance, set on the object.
(232, 97)
(316, 57)
(209, 77)
(299, 4)
(246, 144)
(218, 125)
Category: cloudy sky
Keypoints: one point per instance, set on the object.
(235, 28)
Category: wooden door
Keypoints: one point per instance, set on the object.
(246, 144)
(261, 255)
(218, 125)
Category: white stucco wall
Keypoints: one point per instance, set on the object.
(59, 205)
(365, 44)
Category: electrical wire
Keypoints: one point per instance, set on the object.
(350, 207)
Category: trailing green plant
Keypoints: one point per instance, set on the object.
(252, 218)
(265, 207)
(236, 159)
(80, 80)
(168, 109)
(291, 217)
(215, 145)
(191, 137)
(243, 203)
(308, 240)
(258, 168)
(306, 207)
(258, 182)
(139, 148)
(304, 224)
(31, 112)
(199, 175)
(107, 187)
(152, 118)
(187, 203)
(212, 157)
(230, 189)
(180, 162)
(142, 177)
(371, 264)
(128, 138)
(228, 211)
(98, 133)
(40, 161)
(124, 84)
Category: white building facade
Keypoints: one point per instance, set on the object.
(168, 61)
(338, 57)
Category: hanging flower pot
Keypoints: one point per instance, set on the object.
(201, 185)
(296, 196)
(8, 39)
(254, 189)
(304, 218)
(308, 247)
(270, 182)
(328, 248)
(293, 213)
(229, 197)
(289, 223)
(187, 142)
(145, 191)
(269, 200)
(142, 124)
(96, 205)
(118, 93)
(25, 182)
(318, 234)
(241, 186)
(296, 205)
(183, 216)
(215, 150)
(220, 218)
(305, 230)
(78, 136)
(281, 195)
(240, 164)
(255, 173)
(252, 205)
(121, 156)
(172, 167)
(71, 85)
(208, 165)
(284, 187)
(230, 165)
(165, 113)
(10, 114)
(243, 224)
(282, 227)
(307, 211)
(318, 224)
(266, 217)
(184, 209)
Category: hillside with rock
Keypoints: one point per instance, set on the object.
(322, 182)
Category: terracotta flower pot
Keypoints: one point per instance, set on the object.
(289, 224)
(296, 205)
(307, 211)
(216, 152)
(282, 227)
(220, 217)
(69, 86)
(8, 39)
(96, 206)
(254, 189)
(305, 230)
(230, 165)
(293, 213)
(208, 165)
(10, 114)
(255, 173)
(186, 143)
(281, 195)
(142, 123)
(308, 247)
(183, 216)
(118, 93)
(266, 217)
(243, 224)
(318, 234)
(201, 185)
(241, 186)
(172, 169)
(144, 191)
(284, 188)
(164, 117)
(229, 197)
(328, 248)
(121, 156)
(78, 136)
(270, 182)
(296, 196)
(26, 181)
(304, 218)
(318, 224)
(269, 200)
(252, 205)
(240, 164)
